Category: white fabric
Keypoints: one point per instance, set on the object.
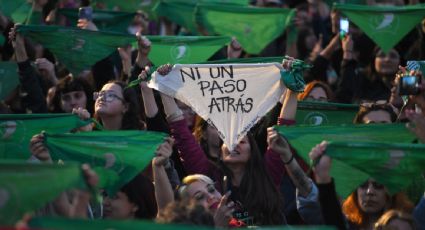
(230, 97)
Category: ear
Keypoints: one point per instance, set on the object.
(126, 106)
(135, 208)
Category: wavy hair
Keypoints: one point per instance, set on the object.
(355, 215)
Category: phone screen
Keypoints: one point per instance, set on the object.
(343, 26)
(85, 13)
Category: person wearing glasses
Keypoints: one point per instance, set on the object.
(116, 107)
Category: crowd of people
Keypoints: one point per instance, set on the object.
(194, 178)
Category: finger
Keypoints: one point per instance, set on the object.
(224, 199)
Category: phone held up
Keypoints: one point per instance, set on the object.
(409, 84)
(85, 13)
(344, 25)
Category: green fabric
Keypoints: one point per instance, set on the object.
(331, 2)
(184, 49)
(113, 21)
(294, 79)
(77, 49)
(324, 113)
(304, 138)
(179, 12)
(9, 78)
(386, 26)
(18, 129)
(71, 224)
(117, 156)
(123, 5)
(27, 187)
(18, 10)
(253, 27)
(246, 60)
(393, 165)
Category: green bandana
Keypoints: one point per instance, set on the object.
(385, 25)
(18, 129)
(253, 27)
(77, 49)
(116, 156)
(355, 142)
(27, 187)
(113, 21)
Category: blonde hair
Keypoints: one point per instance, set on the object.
(191, 179)
(382, 223)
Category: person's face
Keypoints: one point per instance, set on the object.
(118, 207)
(110, 101)
(240, 155)
(188, 113)
(317, 94)
(372, 197)
(377, 116)
(398, 224)
(74, 99)
(205, 194)
(387, 64)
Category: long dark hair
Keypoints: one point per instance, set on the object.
(141, 191)
(130, 119)
(258, 192)
(371, 72)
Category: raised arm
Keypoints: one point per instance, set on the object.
(193, 158)
(35, 100)
(331, 208)
(163, 190)
(280, 146)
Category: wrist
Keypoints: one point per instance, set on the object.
(177, 115)
(287, 158)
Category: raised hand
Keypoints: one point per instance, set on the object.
(38, 149)
(163, 152)
(278, 144)
(164, 69)
(224, 211)
(321, 163)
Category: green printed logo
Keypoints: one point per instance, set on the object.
(7, 129)
(316, 118)
(180, 51)
(384, 23)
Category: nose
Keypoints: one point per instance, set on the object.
(210, 198)
(370, 189)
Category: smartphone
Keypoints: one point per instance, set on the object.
(85, 13)
(409, 85)
(344, 25)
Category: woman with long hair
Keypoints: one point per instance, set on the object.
(374, 83)
(253, 191)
